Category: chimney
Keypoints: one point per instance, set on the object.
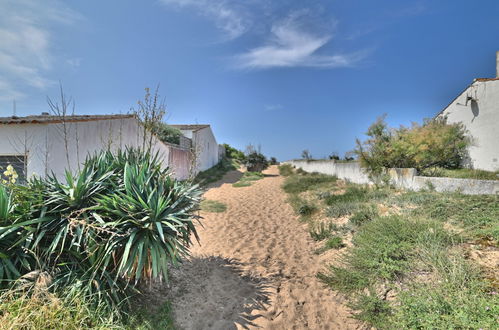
(497, 64)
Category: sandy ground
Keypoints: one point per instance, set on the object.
(254, 267)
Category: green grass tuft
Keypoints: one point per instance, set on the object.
(285, 170)
(213, 206)
(297, 184)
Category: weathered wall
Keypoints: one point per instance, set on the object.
(349, 171)
(206, 148)
(481, 118)
(45, 147)
(404, 178)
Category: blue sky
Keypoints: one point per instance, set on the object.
(289, 75)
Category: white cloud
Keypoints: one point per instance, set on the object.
(25, 43)
(229, 16)
(291, 46)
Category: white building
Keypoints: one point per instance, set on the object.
(204, 144)
(477, 107)
(48, 144)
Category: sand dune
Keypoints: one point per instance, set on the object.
(254, 267)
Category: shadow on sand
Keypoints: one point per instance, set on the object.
(229, 177)
(211, 293)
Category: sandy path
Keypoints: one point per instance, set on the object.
(255, 267)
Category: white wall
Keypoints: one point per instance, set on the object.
(206, 148)
(481, 118)
(45, 146)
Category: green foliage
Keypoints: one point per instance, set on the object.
(322, 230)
(364, 214)
(216, 172)
(285, 169)
(306, 155)
(297, 184)
(166, 133)
(256, 162)
(460, 173)
(335, 242)
(213, 206)
(273, 161)
(233, 153)
(241, 184)
(372, 309)
(342, 209)
(122, 219)
(435, 143)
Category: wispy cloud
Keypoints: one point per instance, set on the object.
(229, 16)
(25, 43)
(290, 45)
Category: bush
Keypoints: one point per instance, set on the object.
(364, 214)
(435, 143)
(285, 170)
(167, 133)
(335, 242)
(233, 153)
(298, 184)
(122, 219)
(256, 162)
(216, 172)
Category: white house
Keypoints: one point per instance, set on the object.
(47, 144)
(477, 107)
(204, 144)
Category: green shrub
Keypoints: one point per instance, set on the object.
(167, 133)
(364, 214)
(213, 206)
(307, 209)
(233, 153)
(458, 299)
(252, 176)
(285, 170)
(120, 220)
(297, 184)
(435, 143)
(322, 230)
(339, 210)
(461, 173)
(335, 242)
(372, 309)
(256, 162)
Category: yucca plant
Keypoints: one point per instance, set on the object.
(121, 219)
(14, 257)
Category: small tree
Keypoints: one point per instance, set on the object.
(256, 162)
(305, 154)
(334, 156)
(273, 161)
(435, 143)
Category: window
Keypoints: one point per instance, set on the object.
(18, 162)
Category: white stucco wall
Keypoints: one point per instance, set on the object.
(207, 148)
(45, 147)
(481, 119)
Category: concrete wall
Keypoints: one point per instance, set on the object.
(45, 146)
(481, 118)
(206, 148)
(405, 178)
(348, 171)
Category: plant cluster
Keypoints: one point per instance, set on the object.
(435, 143)
(285, 169)
(234, 153)
(119, 221)
(166, 133)
(256, 162)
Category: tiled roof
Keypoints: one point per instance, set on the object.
(46, 119)
(190, 127)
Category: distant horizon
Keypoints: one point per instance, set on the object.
(283, 74)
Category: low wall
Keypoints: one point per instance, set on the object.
(405, 178)
(348, 171)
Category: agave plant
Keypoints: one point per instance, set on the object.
(119, 220)
(14, 257)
